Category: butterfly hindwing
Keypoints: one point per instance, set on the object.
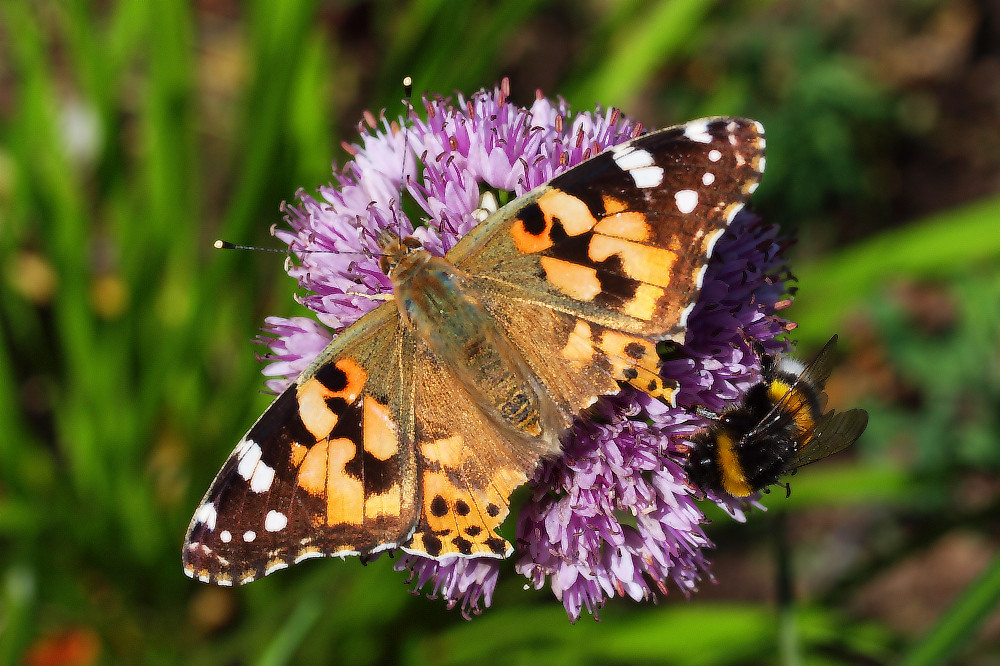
(469, 464)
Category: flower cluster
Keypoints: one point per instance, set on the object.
(612, 516)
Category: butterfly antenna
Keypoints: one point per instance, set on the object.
(226, 245)
(407, 100)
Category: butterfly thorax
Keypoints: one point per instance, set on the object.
(437, 302)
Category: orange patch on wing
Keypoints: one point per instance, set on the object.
(460, 522)
(313, 410)
(389, 503)
(574, 280)
(449, 452)
(437, 489)
(312, 398)
(297, 454)
(344, 493)
(380, 433)
(460, 517)
(635, 361)
(322, 473)
(571, 211)
(313, 470)
(612, 205)
(629, 349)
(643, 304)
(356, 378)
(527, 242)
(580, 345)
(640, 262)
(630, 225)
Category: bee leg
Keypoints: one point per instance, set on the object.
(703, 412)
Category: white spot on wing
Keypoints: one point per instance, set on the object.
(762, 162)
(685, 313)
(700, 281)
(262, 477)
(308, 555)
(206, 515)
(673, 398)
(274, 521)
(647, 177)
(686, 200)
(711, 241)
(708, 179)
(249, 536)
(226, 536)
(249, 457)
(224, 582)
(698, 131)
(733, 212)
(633, 159)
(277, 566)
(639, 164)
(714, 155)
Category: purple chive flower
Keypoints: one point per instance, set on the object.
(613, 516)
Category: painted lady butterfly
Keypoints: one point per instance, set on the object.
(414, 426)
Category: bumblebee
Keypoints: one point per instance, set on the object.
(776, 427)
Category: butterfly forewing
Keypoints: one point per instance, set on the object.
(328, 469)
(623, 239)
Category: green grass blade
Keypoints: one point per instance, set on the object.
(943, 244)
(958, 625)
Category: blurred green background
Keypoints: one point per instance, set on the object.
(132, 134)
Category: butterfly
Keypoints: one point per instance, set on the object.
(414, 426)
(777, 426)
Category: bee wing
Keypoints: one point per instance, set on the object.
(833, 433)
(818, 370)
(814, 374)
